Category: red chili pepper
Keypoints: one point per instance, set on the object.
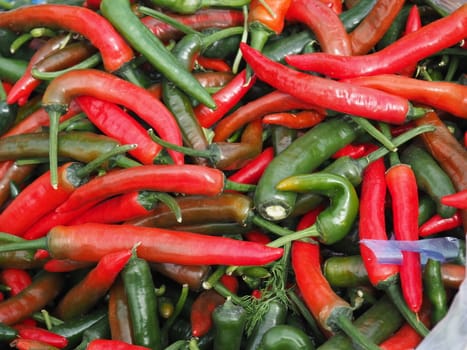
(406, 337)
(116, 123)
(323, 21)
(373, 27)
(299, 120)
(251, 172)
(90, 242)
(30, 344)
(309, 218)
(44, 224)
(200, 20)
(97, 29)
(257, 236)
(443, 95)
(327, 93)
(314, 288)
(266, 17)
(201, 311)
(109, 87)
(36, 200)
(64, 265)
(42, 335)
(225, 99)
(272, 102)
(128, 206)
(15, 279)
(437, 224)
(22, 88)
(352, 150)
(402, 186)
(188, 179)
(414, 23)
(457, 200)
(38, 294)
(214, 64)
(84, 295)
(409, 49)
(106, 344)
(335, 5)
(372, 221)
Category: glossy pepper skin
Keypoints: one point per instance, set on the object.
(327, 93)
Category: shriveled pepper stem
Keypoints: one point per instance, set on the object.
(346, 325)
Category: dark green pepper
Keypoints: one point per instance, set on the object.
(12, 69)
(7, 333)
(275, 315)
(431, 178)
(99, 330)
(229, 322)
(345, 271)
(285, 337)
(434, 289)
(7, 112)
(142, 302)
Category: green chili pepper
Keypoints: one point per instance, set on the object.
(377, 323)
(229, 322)
(275, 315)
(334, 222)
(304, 155)
(284, 337)
(426, 208)
(142, 302)
(12, 69)
(79, 145)
(434, 289)
(431, 178)
(345, 271)
(7, 333)
(120, 14)
(191, 6)
(73, 330)
(99, 330)
(396, 28)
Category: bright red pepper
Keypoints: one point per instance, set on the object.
(458, 199)
(437, 224)
(15, 279)
(214, 64)
(30, 344)
(272, 102)
(414, 23)
(404, 198)
(42, 335)
(105, 344)
(409, 49)
(98, 30)
(90, 242)
(64, 265)
(323, 21)
(225, 99)
(201, 311)
(327, 93)
(116, 123)
(251, 172)
(299, 120)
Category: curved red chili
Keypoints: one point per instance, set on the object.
(298, 120)
(437, 224)
(97, 29)
(327, 93)
(15, 279)
(323, 21)
(409, 49)
(457, 200)
(251, 172)
(414, 23)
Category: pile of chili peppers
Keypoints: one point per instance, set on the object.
(231, 174)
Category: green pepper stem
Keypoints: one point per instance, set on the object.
(244, 38)
(40, 243)
(89, 62)
(271, 227)
(311, 231)
(346, 325)
(394, 293)
(177, 310)
(375, 133)
(213, 279)
(97, 162)
(398, 141)
(239, 187)
(9, 238)
(166, 19)
(170, 202)
(54, 116)
(393, 156)
(219, 35)
(124, 162)
(417, 112)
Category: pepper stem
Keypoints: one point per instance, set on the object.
(346, 325)
(89, 62)
(40, 243)
(166, 19)
(97, 162)
(375, 133)
(239, 187)
(54, 116)
(311, 231)
(170, 202)
(417, 112)
(394, 293)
